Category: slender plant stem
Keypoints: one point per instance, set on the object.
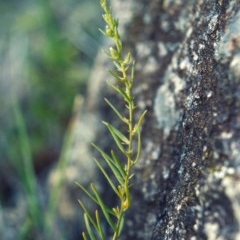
(121, 169)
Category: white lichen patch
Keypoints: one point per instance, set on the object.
(201, 46)
(147, 18)
(231, 185)
(126, 11)
(164, 25)
(155, 154)
(190, 100)
(181, 170)
(189, 32)
(151, 150)
(162, 51)
(209, 94)
(151, 65)
(235, 153)
(142, 105)
(143, 49)
(213, 23)
(226, 135)
(185, 64)
(167, 5)
(235, 64)
(212, 230)
(226, 46)
(195, 56)
(165, 173)
(165, 110)
(221, 173)
(204, 148)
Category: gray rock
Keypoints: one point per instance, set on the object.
(186, 184)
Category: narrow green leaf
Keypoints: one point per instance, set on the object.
(118, 164)
(137, 129)
(89, 229)
(118, 41)
(107, 158)
(102, 31)
(118, 175)
(87, 192)
(133, 70)
(116, 111)
(120, 91)
(114, 165)
(107, 53)
(130, 178)
(139, 146)
(118, 134)
(92, 197)
(84, 236)
(126, 67)
(100, 230)
(121, 225)
(117, 65)
(127, 59)
(107, 18)
(116, 137)
(140, 121)
(88, 214)
(103, 207)
(107, 177)
(118, 78)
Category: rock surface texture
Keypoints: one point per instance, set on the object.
(187, 182)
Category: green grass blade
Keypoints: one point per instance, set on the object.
(25, 229)
(89, 229)
(55, 192)
(28, 176)
(103, 207)
(108, 178)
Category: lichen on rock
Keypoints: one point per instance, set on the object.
(187, 77)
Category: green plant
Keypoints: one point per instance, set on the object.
(40, 219)
(25, 168)
(121, 166)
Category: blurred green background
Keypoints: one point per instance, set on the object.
(47, 49)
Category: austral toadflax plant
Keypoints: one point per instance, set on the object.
(121, 166)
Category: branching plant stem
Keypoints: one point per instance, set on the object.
(121, 169)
